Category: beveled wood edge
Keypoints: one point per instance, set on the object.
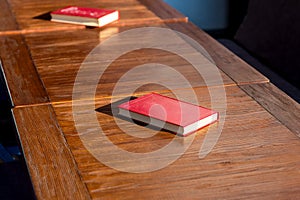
(77, 189)
(276, 102)
(164, 11)
(8, 89)
(38, 93)
(41, 30)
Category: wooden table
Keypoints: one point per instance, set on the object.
(257, 155)
(38, 52)
(21, 18)
(34, 16)
(47, 49)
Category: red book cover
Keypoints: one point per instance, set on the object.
(168, 113)
(86, 16)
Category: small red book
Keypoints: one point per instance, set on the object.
(171, 114)
(85, 16)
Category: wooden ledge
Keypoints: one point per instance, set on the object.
(51, 165)
(276, 102)
(23, 82)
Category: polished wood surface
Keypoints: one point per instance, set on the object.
(23, 81)
(51, 165)
(24, 17)
(256, 156)
(58, 58)
(33, 15)
(228, 62)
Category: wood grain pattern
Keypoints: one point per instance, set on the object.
(59, 55)
(7, 20)
(23, 82)
(281, 106)
(228, 62)
(51, 166)
(256, 156)
(33, 15)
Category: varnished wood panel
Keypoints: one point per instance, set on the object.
(232, 65)
(24, 84)
(281, 106)
(255, 157)
(33, 15)
(52, 168)
(58, 57)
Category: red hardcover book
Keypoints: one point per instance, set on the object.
(85, 16)
(171, 114)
